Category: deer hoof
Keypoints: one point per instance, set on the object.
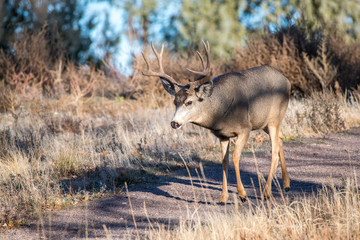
(287, 189)
(243, 199)
(223, 198)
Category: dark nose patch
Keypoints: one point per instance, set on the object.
(175, 125)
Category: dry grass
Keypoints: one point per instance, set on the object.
(331, 213)
(67, 131)
(49, 151)
(320, 113)
(45, 152)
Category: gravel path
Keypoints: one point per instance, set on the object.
(166, 199)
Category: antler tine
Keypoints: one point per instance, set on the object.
(201, 58)
(161, 72)
(158, 56)
(207, 50)
(147, 64)
(205, 71)
(149, 72)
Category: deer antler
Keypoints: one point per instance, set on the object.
(161, 72)
(168, 82)
(205, 72)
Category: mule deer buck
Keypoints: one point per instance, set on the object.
(232, 105)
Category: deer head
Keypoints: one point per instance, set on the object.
(190, 97)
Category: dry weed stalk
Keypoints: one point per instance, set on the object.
(356, 92)
(321, 66)
(82, 83)
(9, 101)
(112, 83)
(57, 76)
(320, 113)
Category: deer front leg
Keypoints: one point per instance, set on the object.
(224, 143)
(286, 179)
(239, 146)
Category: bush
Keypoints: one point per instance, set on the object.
(27, 69)
(30, 71)
(310, 60)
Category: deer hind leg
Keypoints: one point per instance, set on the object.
(224, 143)
(275, 143)
(285, 176)
(239, 146)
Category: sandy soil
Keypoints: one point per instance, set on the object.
(166, 199)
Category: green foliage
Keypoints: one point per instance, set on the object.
(328, 15)
(219, 21)
(215, 21)
(340, 15)
(140, 16)
(227, 24)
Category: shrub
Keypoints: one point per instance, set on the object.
(310, 60)
(27, 68)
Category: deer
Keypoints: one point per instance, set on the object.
(232, 105)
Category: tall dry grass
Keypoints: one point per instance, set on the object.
(51, 154)
(320, 113)
(46, 156)
(331, 213)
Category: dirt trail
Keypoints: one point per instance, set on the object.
(310, 162)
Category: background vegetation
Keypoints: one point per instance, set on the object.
(73, 126)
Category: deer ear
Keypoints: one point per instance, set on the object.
(204, 90)
(169, 86)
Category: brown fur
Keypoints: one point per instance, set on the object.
(238, 103)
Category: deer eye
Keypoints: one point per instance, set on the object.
(188, 103)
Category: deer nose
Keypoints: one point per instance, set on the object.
(175, 125)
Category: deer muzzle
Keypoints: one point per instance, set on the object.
(175, 125)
